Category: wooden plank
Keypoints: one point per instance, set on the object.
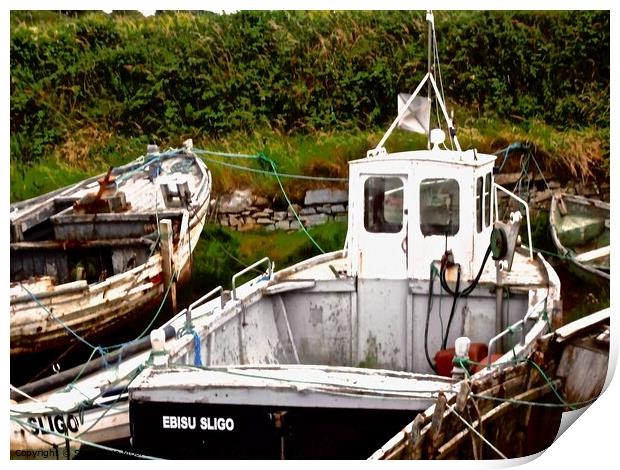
(416, 438)
(57, 290)
(438, 419)
(165, 229)
(594, 254)
(581, 326)
(64, 244)
(494, 414)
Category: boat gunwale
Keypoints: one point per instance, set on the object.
(564, 251)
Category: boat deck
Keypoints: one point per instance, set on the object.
(144, 192)
(525, 272)
(289, 385)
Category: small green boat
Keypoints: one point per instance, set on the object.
(580, 232)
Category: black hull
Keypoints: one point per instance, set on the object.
(261, 432)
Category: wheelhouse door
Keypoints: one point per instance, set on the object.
(383, 231)
(382, 285)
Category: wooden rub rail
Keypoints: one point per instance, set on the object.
(467, 424)
(512, 410)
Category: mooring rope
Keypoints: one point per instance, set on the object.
(82, 441)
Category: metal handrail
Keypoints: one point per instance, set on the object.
(527, 212)
(201, 300)
(511, 328)
(248, 269)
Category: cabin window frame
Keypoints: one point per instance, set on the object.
(488, 216)
(376, 205)
(435, 210)
(479, 203)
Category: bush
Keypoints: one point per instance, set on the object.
(191, 73)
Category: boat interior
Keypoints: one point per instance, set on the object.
(414, 276)
(108, 224)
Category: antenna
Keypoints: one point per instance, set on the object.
(430, 20)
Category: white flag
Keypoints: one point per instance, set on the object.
(418, 117)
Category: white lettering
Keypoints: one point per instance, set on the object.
(191, 422)
(216, 424)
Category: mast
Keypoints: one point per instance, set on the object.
(429, 19)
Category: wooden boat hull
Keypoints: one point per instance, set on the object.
(580, 231)
(49, 236)
(498, 412)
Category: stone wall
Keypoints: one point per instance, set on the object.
(243, 211)
(541, 193)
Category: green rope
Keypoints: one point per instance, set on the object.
(533, 403)
(549, 382)
(550, 253)
(290, 204)
(58, 320)
(161, 306)
(131, 376)
(542, 373)
(269, 173)
(77, 377)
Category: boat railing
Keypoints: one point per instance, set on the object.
(519, 325)
(247, 270)
(527, 212)
(202, 300)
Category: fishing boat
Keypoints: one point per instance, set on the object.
(269, 372)
(87, 258)
(580, 231)
(340, 349)
(502, 414)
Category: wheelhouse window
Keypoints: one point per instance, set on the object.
(439, 207)
(487, 199)
(479, 204)
(383, 204)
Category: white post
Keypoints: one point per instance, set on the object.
(402, 112)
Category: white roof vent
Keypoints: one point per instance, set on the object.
(437, 137)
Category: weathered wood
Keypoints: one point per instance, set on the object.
(166, 234)
(63, 244)
(50, 291)
(415, 441)
(462, 396)
(495, 413)
(593, 255)
(437, 421)
(579, 327)
(584, 368)
(125, 291)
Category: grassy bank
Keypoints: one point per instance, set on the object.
(579, 154)
(222, 252)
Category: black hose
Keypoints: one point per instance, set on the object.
(456, 296)
(428, 314)
(469, 289)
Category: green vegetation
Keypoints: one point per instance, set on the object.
(79, 79)
(224, 252)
